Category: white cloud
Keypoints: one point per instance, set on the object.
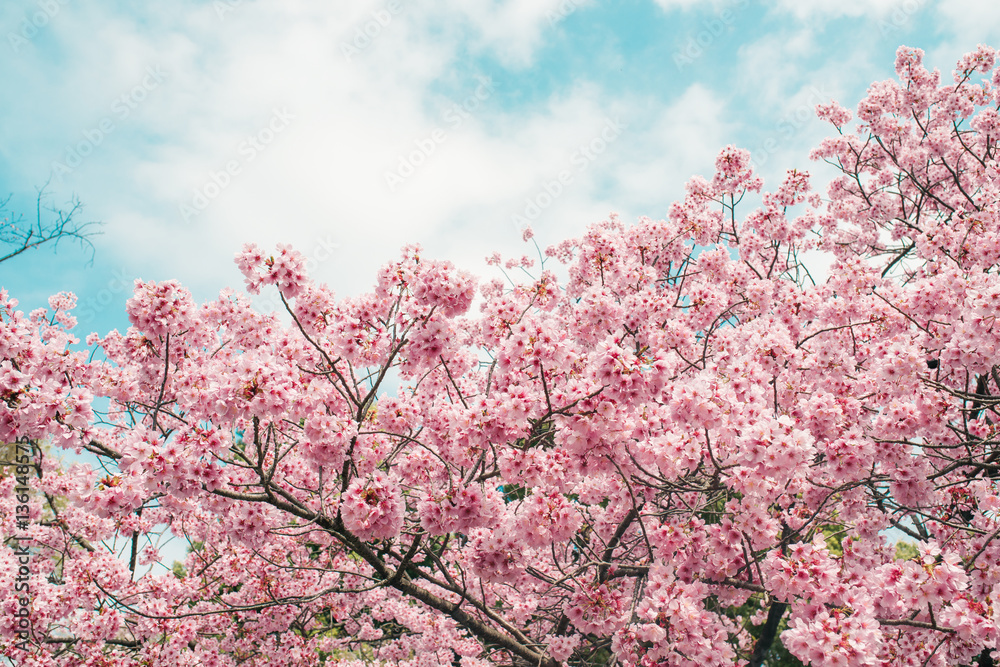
(669, 5)
(825, 9)
(368, 86)
(356, 112)
(970, 20)
(965, 24)
(681, 140)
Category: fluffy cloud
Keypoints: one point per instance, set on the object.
(368, 124)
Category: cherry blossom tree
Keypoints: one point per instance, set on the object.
(668, 446)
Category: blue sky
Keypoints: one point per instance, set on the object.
(349, 129)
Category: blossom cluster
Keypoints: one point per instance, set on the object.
(671, 446)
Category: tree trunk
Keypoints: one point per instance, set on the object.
(768, 634)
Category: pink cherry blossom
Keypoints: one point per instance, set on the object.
(667, 444)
